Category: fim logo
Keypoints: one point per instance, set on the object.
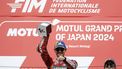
(27, 5)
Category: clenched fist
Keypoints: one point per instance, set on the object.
(61, 58)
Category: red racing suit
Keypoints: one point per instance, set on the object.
(65, 64)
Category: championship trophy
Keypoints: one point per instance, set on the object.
(44, 29)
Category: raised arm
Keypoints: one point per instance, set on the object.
(42, 48)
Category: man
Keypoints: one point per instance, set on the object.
(109, 64)
(61, 61)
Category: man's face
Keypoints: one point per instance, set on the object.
(60, 51)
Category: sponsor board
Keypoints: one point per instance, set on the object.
(90, 42)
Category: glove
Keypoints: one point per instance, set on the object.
(61, 58)
(44, 29)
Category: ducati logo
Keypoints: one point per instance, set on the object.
(27, 5)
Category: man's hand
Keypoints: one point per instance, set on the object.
(44, 29)
(61, 58)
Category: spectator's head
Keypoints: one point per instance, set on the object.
(109, 64)
(60, 48)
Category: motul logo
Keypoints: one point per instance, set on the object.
(22, 32)
(28, 5)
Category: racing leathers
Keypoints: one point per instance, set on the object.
(57, 64)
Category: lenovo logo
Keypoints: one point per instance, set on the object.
(28, 5)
